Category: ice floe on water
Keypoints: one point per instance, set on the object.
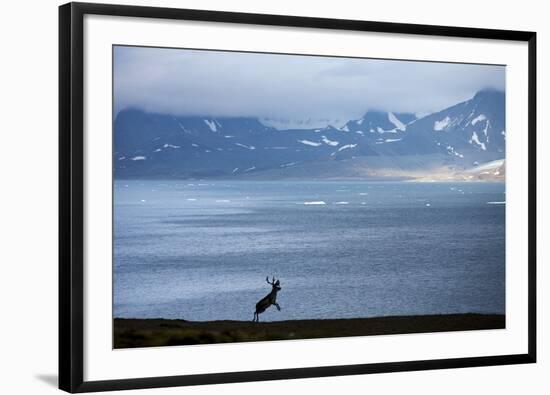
(250, 147)
(339, 203)
(496, 202)
(315, 203)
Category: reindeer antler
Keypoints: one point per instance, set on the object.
(272, 281)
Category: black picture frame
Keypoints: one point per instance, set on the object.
(71, 195)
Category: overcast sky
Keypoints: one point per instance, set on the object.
(216, 83)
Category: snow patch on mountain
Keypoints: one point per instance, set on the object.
(347, 146)
(398, 124)
(183, 128)
(212, 125)
(311, 143)
(330, 142)
(477, 119)
(475, 139)
(451, 151)
(487, 124)
(382, 131)
(442, 125)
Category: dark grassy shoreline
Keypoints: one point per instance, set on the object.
(130, 333)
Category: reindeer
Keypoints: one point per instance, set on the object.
(268, 300)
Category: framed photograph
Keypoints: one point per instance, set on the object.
(251, 197)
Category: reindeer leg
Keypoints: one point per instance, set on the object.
(277, 305)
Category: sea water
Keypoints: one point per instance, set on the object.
(201, 250)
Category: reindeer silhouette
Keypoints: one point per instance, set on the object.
(268, 300)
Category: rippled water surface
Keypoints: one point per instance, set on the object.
(202, 250)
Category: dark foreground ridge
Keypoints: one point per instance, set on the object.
(161, 332)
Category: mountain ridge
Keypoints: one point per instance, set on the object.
(151, 145)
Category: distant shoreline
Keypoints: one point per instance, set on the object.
(380, 179)
(131, 333)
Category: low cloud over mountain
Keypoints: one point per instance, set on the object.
(155, 145)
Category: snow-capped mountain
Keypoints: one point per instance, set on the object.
(474, 128)
(380, 122)
(150, 145)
